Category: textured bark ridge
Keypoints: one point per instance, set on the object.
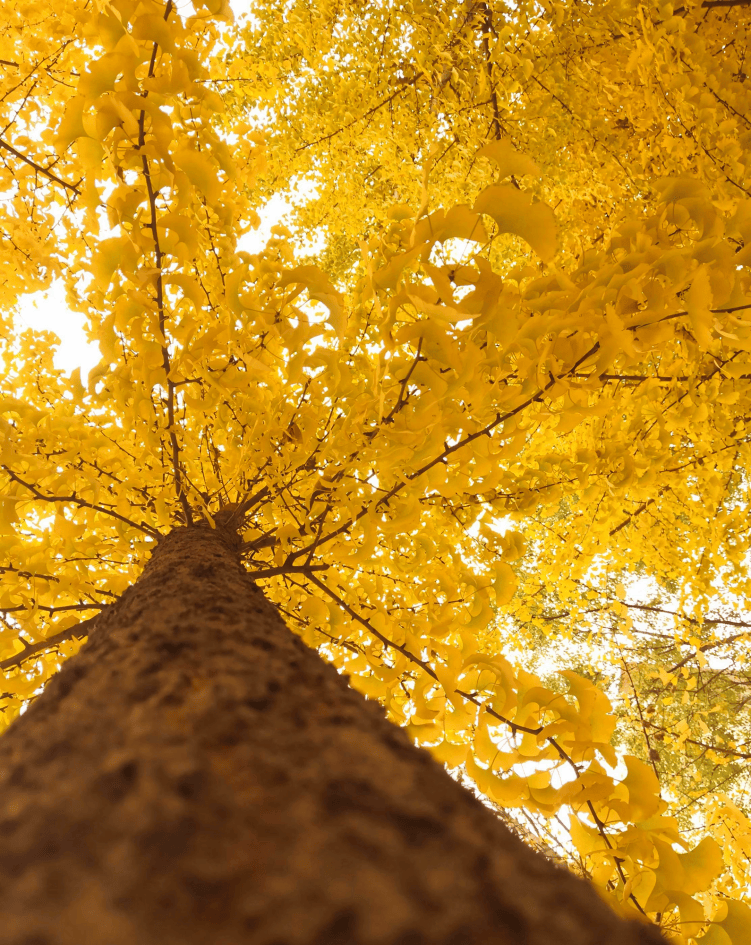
(198, 776)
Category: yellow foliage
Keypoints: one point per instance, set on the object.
(488, 446)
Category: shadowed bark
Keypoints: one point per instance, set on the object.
(198, 776)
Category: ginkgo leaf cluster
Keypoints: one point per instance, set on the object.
(525, 389)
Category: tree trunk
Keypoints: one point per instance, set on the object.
(198, 776)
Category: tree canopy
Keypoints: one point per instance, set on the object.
(482, 407)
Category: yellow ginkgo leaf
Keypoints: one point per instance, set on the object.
(450, 753)
(71, 126)
(508, 160)
(737, 921)
(643, 789)
(200, 170)
(460, 222)
(701, 865)
(517, 212)
(505, 583)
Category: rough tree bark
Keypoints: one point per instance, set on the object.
(198, 776)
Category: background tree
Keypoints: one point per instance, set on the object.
(461, 466)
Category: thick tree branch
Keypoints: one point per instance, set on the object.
(475, 701)
(720, 749)
(153, 226)
(77, 632)
(30, 575)
(448, 451)
(81, 503)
